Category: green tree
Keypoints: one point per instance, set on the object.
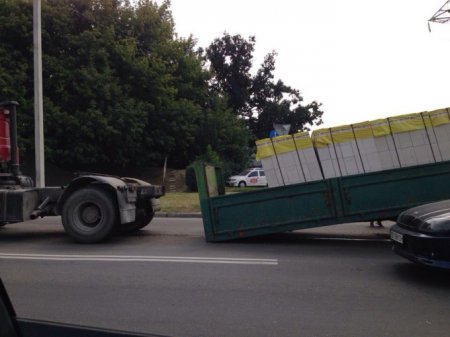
(258, 99)
(119, 87)
(226, 134)
(16, 56)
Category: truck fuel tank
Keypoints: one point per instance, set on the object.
(17, 205)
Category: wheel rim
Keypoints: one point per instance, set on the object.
(89, 215)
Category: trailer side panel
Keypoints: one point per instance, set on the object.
(363, 197)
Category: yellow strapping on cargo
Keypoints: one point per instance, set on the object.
(283, 144)
(264, 148)
(380, 127)
(341, 134)
(302, 140)
(362, 130)
(406, 123)
(439, 117)
(321, 138)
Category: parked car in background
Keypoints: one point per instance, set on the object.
(249, 177)
(422, 234)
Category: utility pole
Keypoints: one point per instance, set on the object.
(38, 106)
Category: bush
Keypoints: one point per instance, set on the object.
(191, 180)
(210, 157)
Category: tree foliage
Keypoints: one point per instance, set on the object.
(119, 87)
(257, 99)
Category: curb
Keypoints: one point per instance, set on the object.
(368, 237)
(178, 214)
(341, 233)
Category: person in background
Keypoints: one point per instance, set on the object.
(379, 224)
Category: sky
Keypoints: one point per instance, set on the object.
(361, 59)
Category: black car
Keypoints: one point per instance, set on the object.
(422, 234)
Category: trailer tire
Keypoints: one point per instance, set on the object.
(90, 214)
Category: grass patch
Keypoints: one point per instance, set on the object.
(180, 202)
(189, 202)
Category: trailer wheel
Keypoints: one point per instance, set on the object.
(89, 214)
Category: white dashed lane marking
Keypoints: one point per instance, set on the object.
(121, 258)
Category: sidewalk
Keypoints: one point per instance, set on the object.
(356, 230)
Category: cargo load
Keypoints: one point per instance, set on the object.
(307, 155)
(440, 130)
(411, 140)
(347, 153)
(288, 160)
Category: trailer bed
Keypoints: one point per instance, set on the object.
(364, 197)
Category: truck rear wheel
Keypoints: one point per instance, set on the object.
(89, 214)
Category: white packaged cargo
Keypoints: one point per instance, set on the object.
(431, 136)
(266, 154)
(411, 140)
(326, 152)
(346, 150)
(367, 147)
(384, 143)
(290, 167)
(440, 120)
(307, 156)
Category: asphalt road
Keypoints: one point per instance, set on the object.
(167, 280)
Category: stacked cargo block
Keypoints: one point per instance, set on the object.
(367, 147)
(307, 155)
(440, 121)
(411, 140)
(266, 154)
(288, 160)
(347, 153)
(326, 153)
(384, 144)
(431, 134)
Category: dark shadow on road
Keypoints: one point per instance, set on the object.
(23, 232)
(23, 235)
(296, 238)
(422, 276)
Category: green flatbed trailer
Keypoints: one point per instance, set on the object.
(364, 197)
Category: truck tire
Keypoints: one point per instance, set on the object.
(90, 214)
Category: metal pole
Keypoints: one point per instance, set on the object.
(38, 106)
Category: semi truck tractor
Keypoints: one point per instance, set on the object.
(92, 206)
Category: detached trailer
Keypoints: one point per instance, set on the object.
(364, 197)
(92, 206)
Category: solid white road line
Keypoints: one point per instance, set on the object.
(130, 258)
